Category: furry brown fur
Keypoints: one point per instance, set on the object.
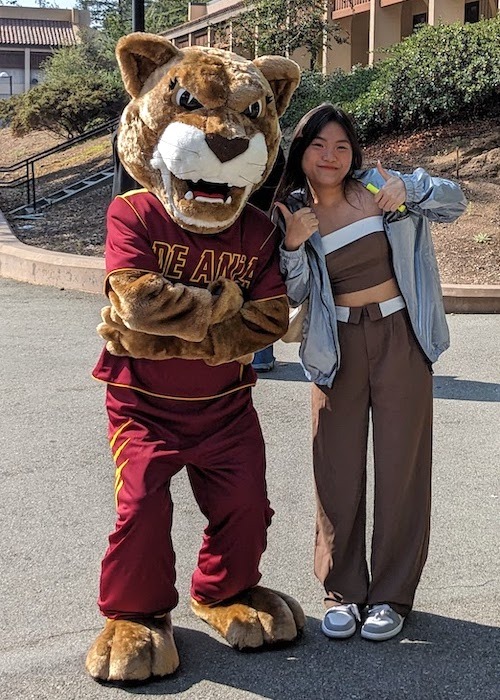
(129, 650)
(256, 617)
(152, 304)
(225, 85)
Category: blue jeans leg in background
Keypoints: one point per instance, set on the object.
(263, 360)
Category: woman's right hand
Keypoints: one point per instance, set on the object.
(299, 226)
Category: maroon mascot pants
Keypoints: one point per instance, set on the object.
(220, 443)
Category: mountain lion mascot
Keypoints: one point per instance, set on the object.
(194, 289)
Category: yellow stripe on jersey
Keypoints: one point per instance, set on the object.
(119, 480)
(176, 398)
(117, 491)
(118, 432)
(119, 450)
(118, 472)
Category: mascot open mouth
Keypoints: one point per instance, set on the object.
(220, 194)
(212, 192)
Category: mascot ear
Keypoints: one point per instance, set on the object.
(283, 75)
(139, 55)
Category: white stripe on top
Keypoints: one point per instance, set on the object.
(352, 232)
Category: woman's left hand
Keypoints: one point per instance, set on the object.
(393, 194)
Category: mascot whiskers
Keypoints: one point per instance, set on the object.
(194, 288)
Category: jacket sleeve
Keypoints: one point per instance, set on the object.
(433, 197)
(294, 266)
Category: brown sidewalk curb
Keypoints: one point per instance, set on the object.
(85, 273)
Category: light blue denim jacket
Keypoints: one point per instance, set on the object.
(415, 267)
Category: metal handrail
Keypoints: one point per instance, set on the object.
(28, 178)
(110, 124)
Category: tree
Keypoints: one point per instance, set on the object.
(282, 26)
(100, 9)
(164, 14)
(114, 17)
(82, 89)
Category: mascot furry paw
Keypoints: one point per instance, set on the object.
(194, 288)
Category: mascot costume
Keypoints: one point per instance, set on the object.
(194, 288)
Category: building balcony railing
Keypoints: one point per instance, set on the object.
(337, 5)
(344, 8)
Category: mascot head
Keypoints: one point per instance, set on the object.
(201, 130)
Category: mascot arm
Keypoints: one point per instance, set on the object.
(149, 303)
(258, 324)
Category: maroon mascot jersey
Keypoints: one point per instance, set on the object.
(141, 236)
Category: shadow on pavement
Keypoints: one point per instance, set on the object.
(448, 387)
(285, 372)
(435, 657)
(445, 387)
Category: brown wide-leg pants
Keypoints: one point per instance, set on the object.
(382, 369)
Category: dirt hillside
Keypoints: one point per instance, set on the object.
(468, 250)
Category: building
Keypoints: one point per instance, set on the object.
(366, 25)
(27, 36)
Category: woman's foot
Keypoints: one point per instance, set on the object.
(339, 621)
(382, 623)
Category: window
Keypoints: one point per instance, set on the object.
(471, 12)
(201, 39)
(12, 59)
(37, 59)
(419, 20)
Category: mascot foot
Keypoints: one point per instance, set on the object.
(256, 617)
(133, 651)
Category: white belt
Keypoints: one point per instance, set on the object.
(388, 307)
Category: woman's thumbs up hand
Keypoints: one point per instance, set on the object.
(393, 194)
(299, 226)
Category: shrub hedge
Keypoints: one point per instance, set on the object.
(437, 75)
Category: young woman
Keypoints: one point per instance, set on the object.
(365, 263)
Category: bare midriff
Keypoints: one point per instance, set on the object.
(380, 292)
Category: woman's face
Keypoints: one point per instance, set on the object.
(327, 159)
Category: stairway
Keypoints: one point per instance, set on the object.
(84, 185)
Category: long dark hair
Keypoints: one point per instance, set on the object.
(305, 132)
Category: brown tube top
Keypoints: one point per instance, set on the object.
(361, 263)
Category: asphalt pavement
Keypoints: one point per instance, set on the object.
(57, 510)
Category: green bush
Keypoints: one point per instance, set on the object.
(309, 94)
(69, 107)
(443, 73)
(437, 75)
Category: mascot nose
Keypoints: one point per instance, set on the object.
(226, 149)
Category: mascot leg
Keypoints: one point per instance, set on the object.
(137, 589)
(231, 492)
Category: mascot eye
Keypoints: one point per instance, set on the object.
(254, 110)
(185, 99)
